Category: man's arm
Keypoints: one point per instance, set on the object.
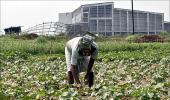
(91, 62)
(94, 52)
(75, 73)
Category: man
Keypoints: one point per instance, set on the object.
(80, 54)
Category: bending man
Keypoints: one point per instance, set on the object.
(80, 53)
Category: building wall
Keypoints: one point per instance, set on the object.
(76, 19)
(77, 16)
(144, 22)
(65, 18)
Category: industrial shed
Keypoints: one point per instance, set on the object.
(105, 20)
(13, 30)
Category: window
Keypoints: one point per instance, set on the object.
(85, 14)
(108, 10)
(101, 25)
(142, 19)
(116, 20)
(93, 25)
(84, 27)
(158, 22)
(86, 9)
(93, 11)
(108, 25)
(108, 33)
(101, 33)
(85, 19)
(101, 11)
(124, 20)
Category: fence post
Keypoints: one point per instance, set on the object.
(43, 28)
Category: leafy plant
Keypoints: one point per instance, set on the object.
(123, 71)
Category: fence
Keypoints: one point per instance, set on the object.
(47, 28)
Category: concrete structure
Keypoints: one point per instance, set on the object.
(105, 20)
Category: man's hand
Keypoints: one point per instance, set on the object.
(75, 74)
(89, 78)
(86, 79)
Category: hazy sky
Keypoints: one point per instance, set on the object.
(30, 13)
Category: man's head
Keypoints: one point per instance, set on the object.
(85, 45)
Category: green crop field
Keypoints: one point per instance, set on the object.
(36, 69)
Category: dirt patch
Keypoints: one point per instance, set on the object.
(149, 38)
(27, 36)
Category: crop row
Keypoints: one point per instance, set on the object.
(28, 78)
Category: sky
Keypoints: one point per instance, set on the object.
(30, 13)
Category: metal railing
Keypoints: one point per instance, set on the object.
(47, 28)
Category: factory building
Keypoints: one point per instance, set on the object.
(105, 20)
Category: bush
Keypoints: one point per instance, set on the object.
(164, 33)
(27, 36)
(41, 39)
(132, 38)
